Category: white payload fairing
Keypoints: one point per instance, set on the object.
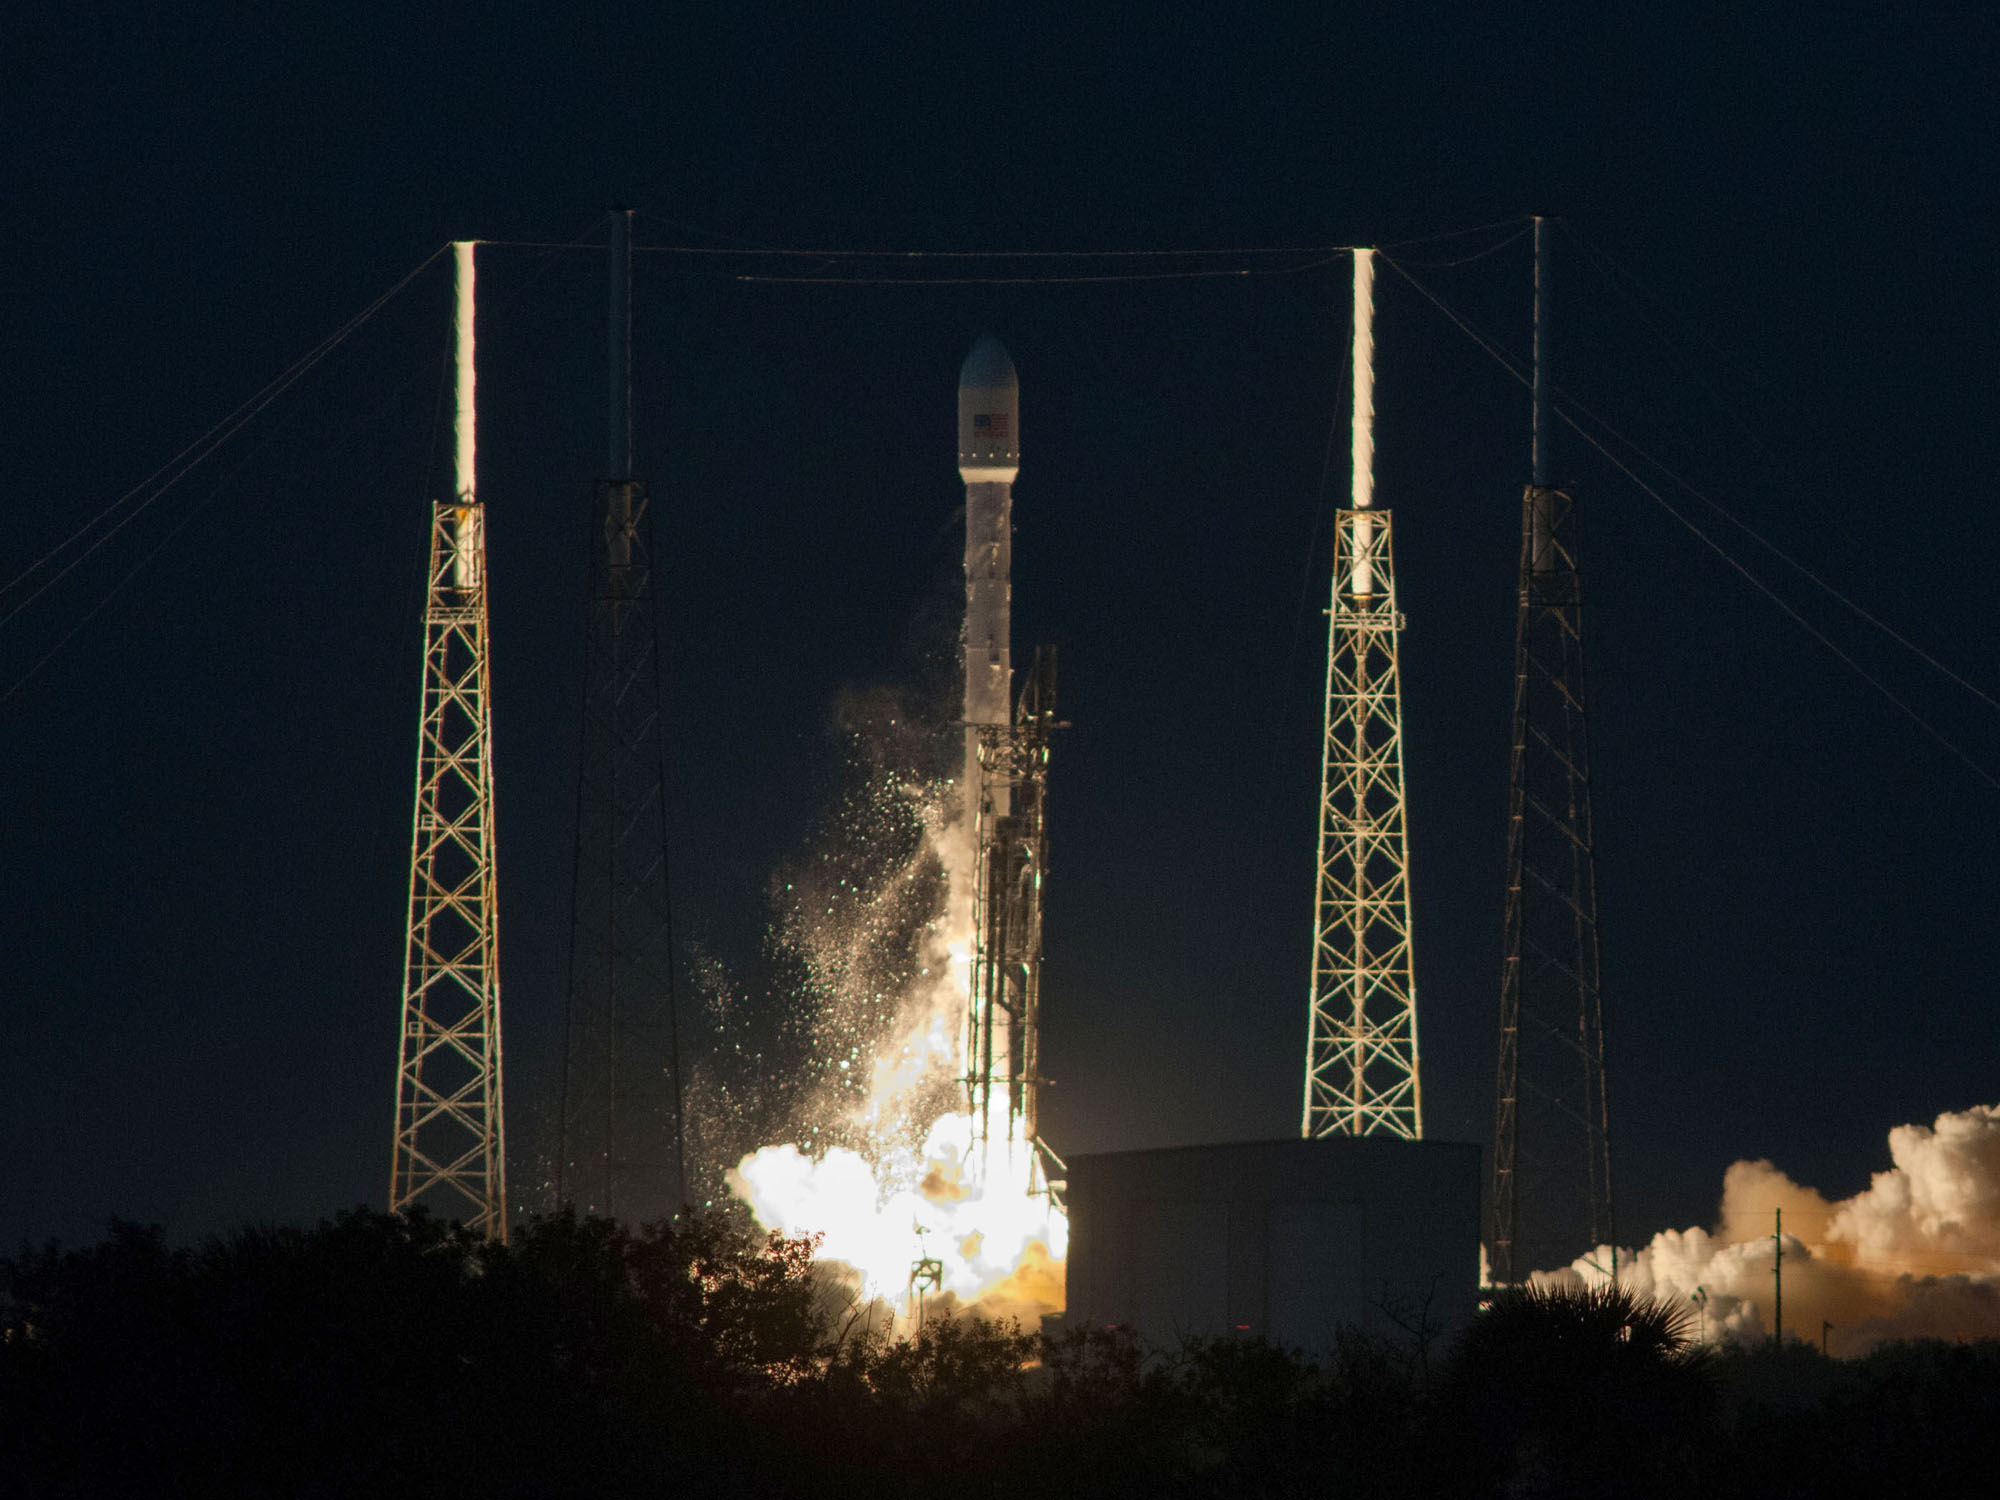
(989, 456)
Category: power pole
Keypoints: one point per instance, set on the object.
(450, 1140)
(1551, 1136)
(1361, 1074)
(622, 1151)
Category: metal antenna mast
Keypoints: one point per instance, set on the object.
(621, 1148)
(451, 1144)
(1551, 1133)
(1361, 1038)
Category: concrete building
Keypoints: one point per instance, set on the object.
(1288, 1240)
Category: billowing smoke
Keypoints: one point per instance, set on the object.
(1916, 1255)
(873, 1157)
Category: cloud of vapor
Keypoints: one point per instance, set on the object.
(1915, 1255)
(873, 1152)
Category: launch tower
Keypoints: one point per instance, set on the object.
(1006, 789)
(1361, 1041)
(1551, 1134)
(620, 1153)
(450, 1142)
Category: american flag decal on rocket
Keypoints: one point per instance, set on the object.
(990, 424)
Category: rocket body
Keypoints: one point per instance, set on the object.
(989, 435)
(989, 456)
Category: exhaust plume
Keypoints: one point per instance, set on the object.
(1915, 1255)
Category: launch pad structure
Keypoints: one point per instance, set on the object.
(1011, 836)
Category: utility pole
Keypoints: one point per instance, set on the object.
(1361, 1073)
(621, 1152)
(450, 1139)
(1551, 1132)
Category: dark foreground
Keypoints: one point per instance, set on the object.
(382, 1356)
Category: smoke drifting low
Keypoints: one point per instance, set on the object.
(1916, 1255)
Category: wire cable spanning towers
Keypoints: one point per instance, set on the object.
(1551, 1137)
(450, 1140)
(1006, 790)
(621, 1148)
(1361, 1042)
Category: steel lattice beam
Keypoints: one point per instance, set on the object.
(450, 1139)
(621, 1148)
(1551, 1136)
(1361, 1045)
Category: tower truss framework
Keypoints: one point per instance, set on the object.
(1003, 1019)
(621, 1148)
(620, 1153)
(1552, 1156)
(1362, 1073)
(450, 1145)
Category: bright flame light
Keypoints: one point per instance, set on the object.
(907, 1210)
(996, 1245)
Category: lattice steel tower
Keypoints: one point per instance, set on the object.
(620, 1152)
(451, 1144)
(1551, 1134)
(1361, 1040)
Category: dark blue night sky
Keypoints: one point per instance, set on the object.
(1777, 284)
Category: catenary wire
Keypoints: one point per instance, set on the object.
(1708, 541)
(193, 454)
(1804, 571)
(1233, 272)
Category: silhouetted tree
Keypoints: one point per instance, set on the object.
(384, 1355)
(1574, 1392)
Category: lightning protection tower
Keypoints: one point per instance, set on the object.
(1551, 1136)
(1361, 1040)
(620, 1152)
(450, 1143)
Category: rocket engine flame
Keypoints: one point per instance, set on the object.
(911, 1190)
(1915, 1255)
(887, 1181)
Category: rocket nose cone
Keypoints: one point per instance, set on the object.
(989, 416)
(988, 368)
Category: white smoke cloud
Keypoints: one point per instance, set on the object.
(1915, 1255)
(878, 1160)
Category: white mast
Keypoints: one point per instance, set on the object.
(467, 541)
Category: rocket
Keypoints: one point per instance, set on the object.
(989, 456)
